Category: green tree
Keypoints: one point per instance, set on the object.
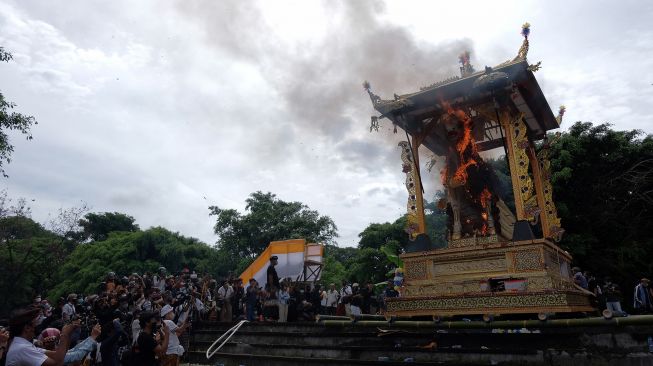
(376, 235)
(603, 188)
(127, 252)
(267, 219)
(370, 265)
(11, 121)
(29, 258)
(436, 220)
(97, 226)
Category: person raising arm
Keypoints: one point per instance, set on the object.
(22, 352)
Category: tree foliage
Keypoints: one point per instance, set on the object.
(603, 188)
(267, 219)
(97, 226)
(29, 259)
(128, 252)
(11, 121)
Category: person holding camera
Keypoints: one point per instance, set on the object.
(150, 343)
(175, 349)
(69, 311)
(49, 338)
(22, 352)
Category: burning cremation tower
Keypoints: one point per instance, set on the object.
(499, 260)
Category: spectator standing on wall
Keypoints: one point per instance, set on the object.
(612, 296)
(225, 297)
(579, 279)
(332, 299)
(251, 298)
(284, 298)
(272, 276)
(345, 297)
(642, 297)
(356, 300)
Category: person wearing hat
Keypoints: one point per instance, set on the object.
(175, 349)
(642, 298)
(22, 352)
(272, 276)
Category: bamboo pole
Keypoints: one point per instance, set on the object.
(320, 318)
(632, 320)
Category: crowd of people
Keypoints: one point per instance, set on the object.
(145, 319)
(608, 295)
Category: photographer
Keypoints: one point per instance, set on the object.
(49, 338)
(23, 330)
(111, 342)
(150, 342)
(69, 309)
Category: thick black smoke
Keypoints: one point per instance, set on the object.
(320, 83)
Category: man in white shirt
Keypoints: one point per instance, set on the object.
(225, 295)
(159, 281)
(22, 351)
(68, 311)
(175, 349)
(345, 297)
(332, 299)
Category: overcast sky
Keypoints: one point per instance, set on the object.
(161, 108)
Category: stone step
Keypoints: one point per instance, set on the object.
(246, 359)
(263, 344)
(372, 353)
(508, 341)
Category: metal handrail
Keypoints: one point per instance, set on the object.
(230, 333)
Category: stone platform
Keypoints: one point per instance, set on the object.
(262, 344)
(489, 276)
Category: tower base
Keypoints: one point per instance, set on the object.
(489, 276)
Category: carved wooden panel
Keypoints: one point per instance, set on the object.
(527, 260)
(484, 265)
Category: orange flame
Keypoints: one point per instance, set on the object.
(467, 156)
(464, 143)
(485, 198)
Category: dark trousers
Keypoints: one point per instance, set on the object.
(250, 311)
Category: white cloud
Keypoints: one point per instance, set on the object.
(159, 110)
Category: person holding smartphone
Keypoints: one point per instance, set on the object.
(150, 343)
